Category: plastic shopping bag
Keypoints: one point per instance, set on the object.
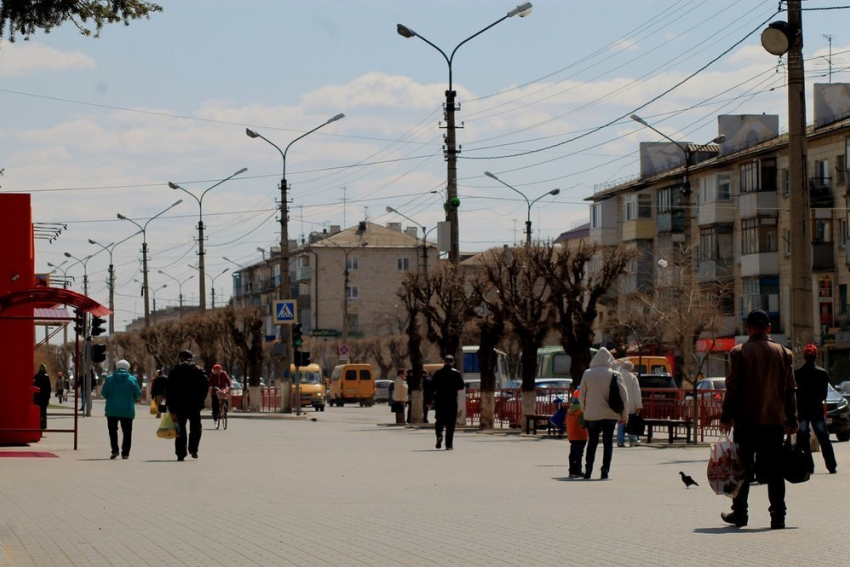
(167, 428)
(154, 409)
(726, 474)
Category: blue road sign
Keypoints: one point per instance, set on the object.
(285, 311)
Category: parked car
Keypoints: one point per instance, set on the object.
(656, 381)
(837, 414)
(844, 389)
(382, 390)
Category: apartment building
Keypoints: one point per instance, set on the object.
(727, 209)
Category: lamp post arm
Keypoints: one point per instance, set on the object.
(663, 135)
(443, 53)
(305, 134)
(282, 154)
(158, 214)
(450, 58)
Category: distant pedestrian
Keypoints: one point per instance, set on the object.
(427, 396)
(398, 396)
(187, 392)
(159, 390)
(121, 390)
(577, 435)
(634, 405)
(760, 403)
(219, 384)
(812, 387)
(601, 419)
(446, 383)
(60, 386)
(42, 398)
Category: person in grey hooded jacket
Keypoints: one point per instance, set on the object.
(600, 418)
(121, 392)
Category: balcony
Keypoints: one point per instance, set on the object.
(671, 221)
(303, 274)
(716, 212)
(823, 258)
(820, 192)
(764, 264)
(605, 236)
(715, 270)
(758, 203)
(640, 229)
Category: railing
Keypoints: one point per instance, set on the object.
(508, 405)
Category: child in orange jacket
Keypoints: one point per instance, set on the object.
(577, 435)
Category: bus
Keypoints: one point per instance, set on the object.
(472, 370)
(554, 362)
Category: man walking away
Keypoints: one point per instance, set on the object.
(121, 392)
(634, 406)
(594, 397)
(60, 386)
(42, 397)
(427, 396)
(445, 384)
(187, 391)
(761, 404)
(812, 387)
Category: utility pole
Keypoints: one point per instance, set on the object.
(802, 301)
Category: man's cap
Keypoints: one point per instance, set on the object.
(122, 365)
(448, 358)
(758, 318)
(810, 350)
(42, 368)
(185, 355)
(216, 366)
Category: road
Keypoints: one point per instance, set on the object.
(342, 490)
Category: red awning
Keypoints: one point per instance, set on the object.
(49, 297)
(721, 344)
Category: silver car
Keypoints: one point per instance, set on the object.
(382, 390)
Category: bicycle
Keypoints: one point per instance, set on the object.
(222, 410)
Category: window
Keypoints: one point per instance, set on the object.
(351, 375)
(787, 242)
(760, 293)
(664, 199)
(637, 206)
(842, 299)
(758, 175)
(822, 230)
(354, 321)
(758, 236)
(784, 183)
(404, 264)
(353, 292)
(715, 243)
(351, 263)
(304, 261)
(707, 243)
(596, 215)
(841, 169)
(842, 232)
(724, 187)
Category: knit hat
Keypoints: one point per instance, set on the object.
(122, 365)
(810, 350)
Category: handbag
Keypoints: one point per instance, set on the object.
(615, 402)
(635, 425)
(726, 472)
(797, 463)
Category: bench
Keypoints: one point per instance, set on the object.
(532, 421)
(671, 425)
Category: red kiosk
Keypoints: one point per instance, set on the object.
(19, 296)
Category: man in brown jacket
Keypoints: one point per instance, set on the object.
(761, 404)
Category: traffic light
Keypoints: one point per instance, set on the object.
(97, 326)
(79, 323)
(98, 353)
(297, 336)
(302, 359)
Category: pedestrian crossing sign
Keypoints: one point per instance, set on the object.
(285, 311)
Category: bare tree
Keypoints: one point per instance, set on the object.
(245, 325)
(525, 295)
(164, 341)
(203, 329)
(374, 350)
(576, 287)
(410, 296)
(130, 347)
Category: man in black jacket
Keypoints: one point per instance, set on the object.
(42, 397)
(812, 386)
(187, 391)
(445, 384)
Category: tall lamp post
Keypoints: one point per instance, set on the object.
(64, 272)
(452, 202)
(424, 237)
(528, 203)
(84, 262)
(179, 286)
(200, 200)
(241, 272)
(212, 280)
(110, 248)
(144, 229)
(154, 295)
(347, 252)
(284, 289)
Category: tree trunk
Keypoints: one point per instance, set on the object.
(529, 405)
(486, 363)
(529, 372)
(579, 362)
(488, 410)
(254, 400)
(416, 415)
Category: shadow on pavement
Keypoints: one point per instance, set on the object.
(174, 460)
(733, 530)
(103, 459)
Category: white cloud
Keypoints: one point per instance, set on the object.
(27, 58)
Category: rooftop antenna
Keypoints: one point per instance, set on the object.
(301, 210)
(828, 38)
(366, 212)
(514, 232)
(344, 207)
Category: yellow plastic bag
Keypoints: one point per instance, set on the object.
(167, 428)
(154, 408)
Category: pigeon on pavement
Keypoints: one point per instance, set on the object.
(689, 482)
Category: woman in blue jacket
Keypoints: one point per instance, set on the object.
(121, 392)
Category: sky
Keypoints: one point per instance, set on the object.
(97, 127)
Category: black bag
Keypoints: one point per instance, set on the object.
(797, 463)
(615, 402)
(636, 425)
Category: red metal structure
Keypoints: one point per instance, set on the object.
(19, 297)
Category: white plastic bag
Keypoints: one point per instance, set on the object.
(726, 474)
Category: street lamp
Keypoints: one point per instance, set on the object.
(110, 248)
(241, 272)
(154, 295)
(200, 200)
(686, 149)
(284, 289)
(451, 142)
(144, 229)
(179, 286)
(262, 251)
(345, 251)
(212, 280)
(84, 262)
(528, 203)
(424, 235)
(64, 272)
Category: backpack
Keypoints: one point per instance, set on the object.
(615, 402)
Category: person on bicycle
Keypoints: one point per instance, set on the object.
(219, 385)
